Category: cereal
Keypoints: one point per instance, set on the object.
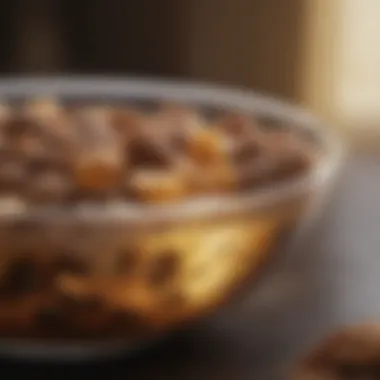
(51, 153)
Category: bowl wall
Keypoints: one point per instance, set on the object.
(98, 281)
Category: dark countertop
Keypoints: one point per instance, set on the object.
(331, 278)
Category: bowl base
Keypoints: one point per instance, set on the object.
(67, 352)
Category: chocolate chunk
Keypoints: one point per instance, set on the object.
(19, 279)
(163, 268)
(145, 152)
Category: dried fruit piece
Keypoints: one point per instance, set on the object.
(212, 180)
(93, 172)
(206, 148)
(98, 163)
(157, 186)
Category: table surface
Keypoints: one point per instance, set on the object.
(330, 279)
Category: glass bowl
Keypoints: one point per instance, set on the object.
(86, 281)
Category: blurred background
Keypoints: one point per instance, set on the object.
(324, 54)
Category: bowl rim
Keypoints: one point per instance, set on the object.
(200, 208)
